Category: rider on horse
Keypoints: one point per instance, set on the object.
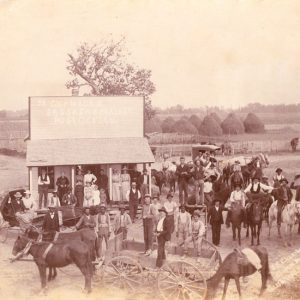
(277, 178)
(284, 197)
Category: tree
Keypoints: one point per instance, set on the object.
(232, 125)
(167, 125)
(196, 121)
(152, 125)
(184, 126)
(253, 124)
(210, 127)
(103, 68)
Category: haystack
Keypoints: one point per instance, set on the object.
(253, 124)
(232, 125)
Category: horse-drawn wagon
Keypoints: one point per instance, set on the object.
(127, 267)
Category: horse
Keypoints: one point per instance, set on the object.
(171, 180)
(231, 268)
(294, 144)
(160, 178)
(289, 216)
(254, 216)
(56, 255)
(221, 190)
(236, 219)
(236, 179)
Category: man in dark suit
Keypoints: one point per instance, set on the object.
(284, 196)
(182, 172)
(62, 183)
(50, 224)
(215, 218)
(163, 234)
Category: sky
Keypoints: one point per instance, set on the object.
(201, 52)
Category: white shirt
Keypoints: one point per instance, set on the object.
(172, 168)
(88, 202)
(89, 178)
(207, 188)
(170, 207)
(160, 223)
(40, 182)
(255, 187)
(238, 196)
(29, 203)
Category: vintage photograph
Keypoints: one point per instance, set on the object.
(149, 149)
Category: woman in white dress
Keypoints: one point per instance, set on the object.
(116, 184)
(125, 183)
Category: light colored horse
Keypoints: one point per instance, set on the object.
(289, 217)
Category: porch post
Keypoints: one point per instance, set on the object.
(150, 180)
(73, 178)
(110, 181)
(30, 179)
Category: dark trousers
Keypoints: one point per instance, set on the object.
(133, 206)
(43, 193)
(61, 191)
(79, 193)
(148, 233)
(183, 191)
(216, 230)
(161, 254)
(171, 221)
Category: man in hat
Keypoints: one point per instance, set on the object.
(277, 178)
(182, 173)
(148, 215)
(69, 198)
(284, 196)
(215, 219)
(43, 185)
(133, 196)
(103, 229)
(237, 167)
(163, 234)
(197, 234)
(265, 180)
(50, 224)
(198, 175)
(86, 220)
(54, 200)
(134, 176)
(122, 222)
(62, 184)
(237, 196)
(171, 208)
(17, 203)
(182, 225)
(208, 191)
(29, 201)
(143, 181)
(165, 163)
(256, 190)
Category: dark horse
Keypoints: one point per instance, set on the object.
(255, 215)
(221, 190)
(236, 219)
(160, 178)
(231, 268)
(57, 255)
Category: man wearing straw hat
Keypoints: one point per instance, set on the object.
(121, 222)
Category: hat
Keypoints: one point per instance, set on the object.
(181, 205)
(55, 191)
(284, 180)
(278, 170)
(237, 185)
(147, 195)
(237, 162)
(155, 196)
(18, 195)
(265, 176)
(122, 207)
(163, 209)
(145, 170)
(216, 200)
(170, 195)
(51, 205)
(256, 177)
(133, 182)
(182, 157)
(85, 207)
(27, 192)
(102, 205)
(197, 213)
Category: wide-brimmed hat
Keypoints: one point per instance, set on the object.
(278, 170)
(27, 192)
(54, 192)
(284, 180)
(163, 209)
(147, 196)
(122, 207)
(197, 213)
(18, 195)
(237, 162)
(170, 195)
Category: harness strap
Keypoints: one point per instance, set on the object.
(47, 251)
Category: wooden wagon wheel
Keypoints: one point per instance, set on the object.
(211, 264)
(123, 272)
(3, 233)
(179, 280)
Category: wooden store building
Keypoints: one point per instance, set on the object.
(67, 133)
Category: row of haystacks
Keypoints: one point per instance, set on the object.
(211, 125)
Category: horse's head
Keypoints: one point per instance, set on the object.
(20, 244)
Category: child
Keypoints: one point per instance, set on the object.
(96, 195)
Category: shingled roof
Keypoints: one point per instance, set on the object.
(88, 151)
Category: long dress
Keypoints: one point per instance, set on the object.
(116, 183)
(125, 183)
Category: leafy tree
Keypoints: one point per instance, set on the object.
(103, 68)
(167, 125)
(153, 125)
(253, 124)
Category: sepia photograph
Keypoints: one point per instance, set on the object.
(149, 149)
